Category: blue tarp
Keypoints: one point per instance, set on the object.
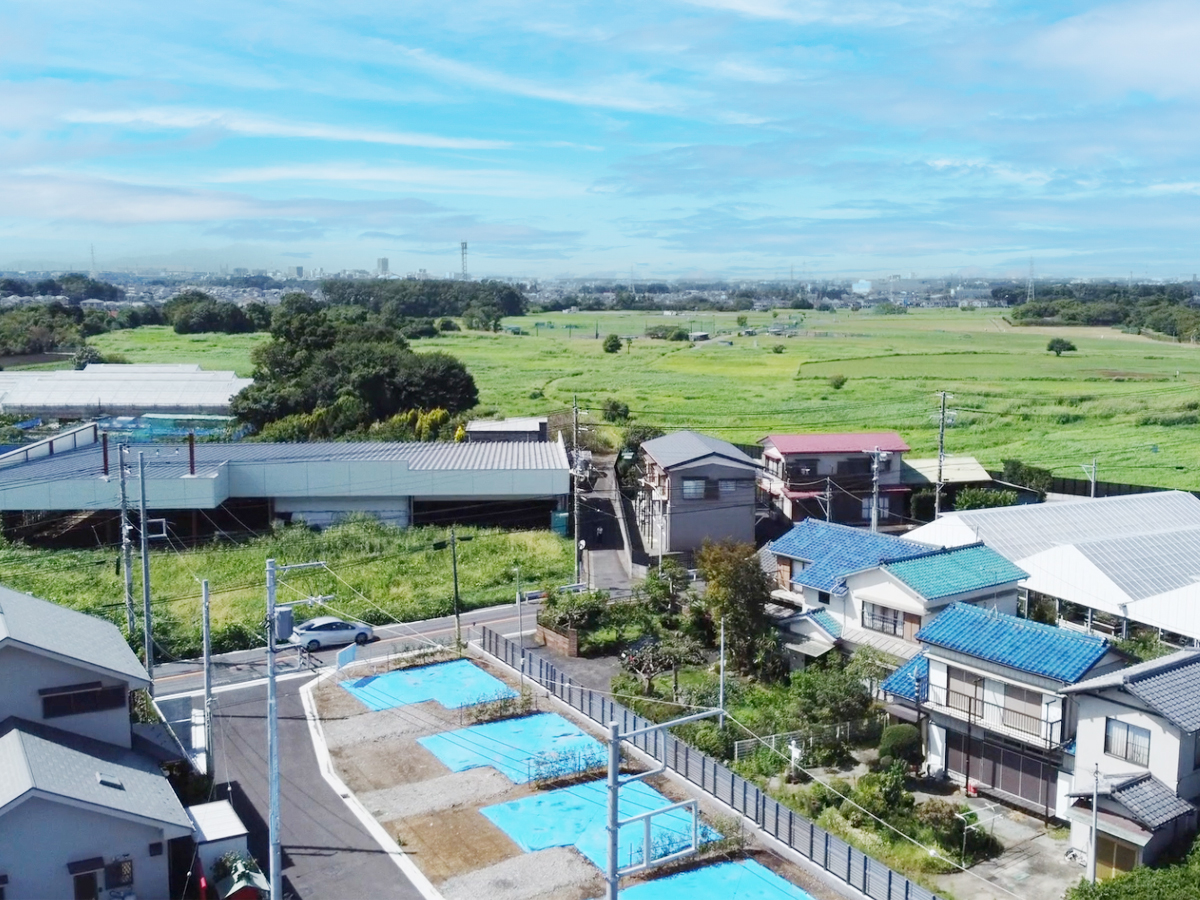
(510, 745)
(745, 880)
(452, 684)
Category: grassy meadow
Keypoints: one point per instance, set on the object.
(1129, 401)
(383, 574)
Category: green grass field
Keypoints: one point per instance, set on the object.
(382, 574)
(1011, 397)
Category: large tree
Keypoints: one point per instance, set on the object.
(737, 593)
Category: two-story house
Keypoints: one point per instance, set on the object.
(82, 809)
(831, 475)
(1137, 749)
(877, 591)
(695, 488)
(992, 692)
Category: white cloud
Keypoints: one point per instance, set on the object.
(1124, 47)
(257, 126)
(841, 13)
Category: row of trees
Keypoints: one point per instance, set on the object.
(480, 304)
(197, 312)
(1167, 309)
(74, 286)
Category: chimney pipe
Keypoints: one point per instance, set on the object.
(104, 442)
(191, 453)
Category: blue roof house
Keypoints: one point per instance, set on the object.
(996, 703)
(880, 590)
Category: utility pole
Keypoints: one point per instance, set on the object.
(1093, 478)
(148, 636)
(276, 856)
(454, 569)
(520, 626)
(1095, 824)
(875, 490)
(575, 483)
(208, 697)
(828, 499)
(937, 498)
(126, 543)
(721, 696)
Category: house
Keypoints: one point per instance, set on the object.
(877, 590)
(82, 808)
(1138, 749)
(832, 475)
(198, 485)
(1098, 565)
(957, 472)
(991, 692)
(695, 488)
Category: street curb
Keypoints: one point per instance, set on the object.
(325, 764)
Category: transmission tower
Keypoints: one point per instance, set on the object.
(1029, 286)
(464, 260)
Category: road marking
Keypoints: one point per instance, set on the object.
(239, 685)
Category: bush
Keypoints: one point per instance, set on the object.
(837, 382)
(615, 411)
(86, 355)
(1058, 346)
(447, 325)
(984, 498)
(612, 343)
(901, 742)
(778, 348)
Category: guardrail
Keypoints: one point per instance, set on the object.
(828, 851)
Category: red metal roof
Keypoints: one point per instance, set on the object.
(852, 442)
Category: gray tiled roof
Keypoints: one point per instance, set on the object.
(1150, 801)
(685, 446)
(1170, 685)
(64, 632)
(35, 757)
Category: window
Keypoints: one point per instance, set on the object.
(881, 618)
(693, 489)
(76, 699)
(727, 487)
(1127, 742)
(884, 508)
(156, 848)
(801, 469)
(855, 465)
(964, 692)
(118, 874)
(823, 597)
(1022, 709)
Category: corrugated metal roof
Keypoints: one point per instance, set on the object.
(671, 450)
(906, 680)
(34, 756)
(67, 633)
(1151, 802)
(171, 460)
(845, 442)
(955, 571)
(1022, 644)
(1170, 685)
(955, 470)
(524, 423)
(120, 386)
(835, 551)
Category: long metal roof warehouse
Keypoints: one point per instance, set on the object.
(119, 390)
(410, 483)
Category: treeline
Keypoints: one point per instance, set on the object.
(417, 308)
(335, 371)
(74, 287)
(196, 312)
(1162, 308)
(45, 327)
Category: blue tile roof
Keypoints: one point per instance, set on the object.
(835, 551)
(1055, 653)
(823, 618)
(906, 679)
(957, 570)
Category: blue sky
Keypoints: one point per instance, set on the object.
(672, 138)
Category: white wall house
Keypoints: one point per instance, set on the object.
(82, 811)
(992, 691)
(1138, 749)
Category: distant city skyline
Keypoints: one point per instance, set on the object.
(657, 140)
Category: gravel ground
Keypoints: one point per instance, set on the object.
(560, 873)
(410, 722)
(474, 787)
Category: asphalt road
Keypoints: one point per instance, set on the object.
(327, 854)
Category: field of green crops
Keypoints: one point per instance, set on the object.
(1130, 402)
(379, 574)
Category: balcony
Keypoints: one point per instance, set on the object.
(885, 624)
(1012, 723)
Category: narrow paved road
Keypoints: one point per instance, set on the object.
(327, 854)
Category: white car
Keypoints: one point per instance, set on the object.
(327, 631)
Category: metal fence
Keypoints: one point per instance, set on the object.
(828, 851)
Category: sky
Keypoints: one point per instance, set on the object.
(650, 139)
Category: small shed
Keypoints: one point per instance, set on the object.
(217, 830)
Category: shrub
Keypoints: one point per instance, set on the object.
(615, 411)
(612, 343)
(86, 355)
(901, 742)
(837, 382)
(778, 348)
(1058, 346)
(447, 324)
(984, 498)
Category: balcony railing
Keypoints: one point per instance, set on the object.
(887, 624)
(1012, 722)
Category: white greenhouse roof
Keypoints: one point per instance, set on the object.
(101, 388)
(1136, 556)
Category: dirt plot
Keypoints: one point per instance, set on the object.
(453, 841)
(556, 874)
(440, 791)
